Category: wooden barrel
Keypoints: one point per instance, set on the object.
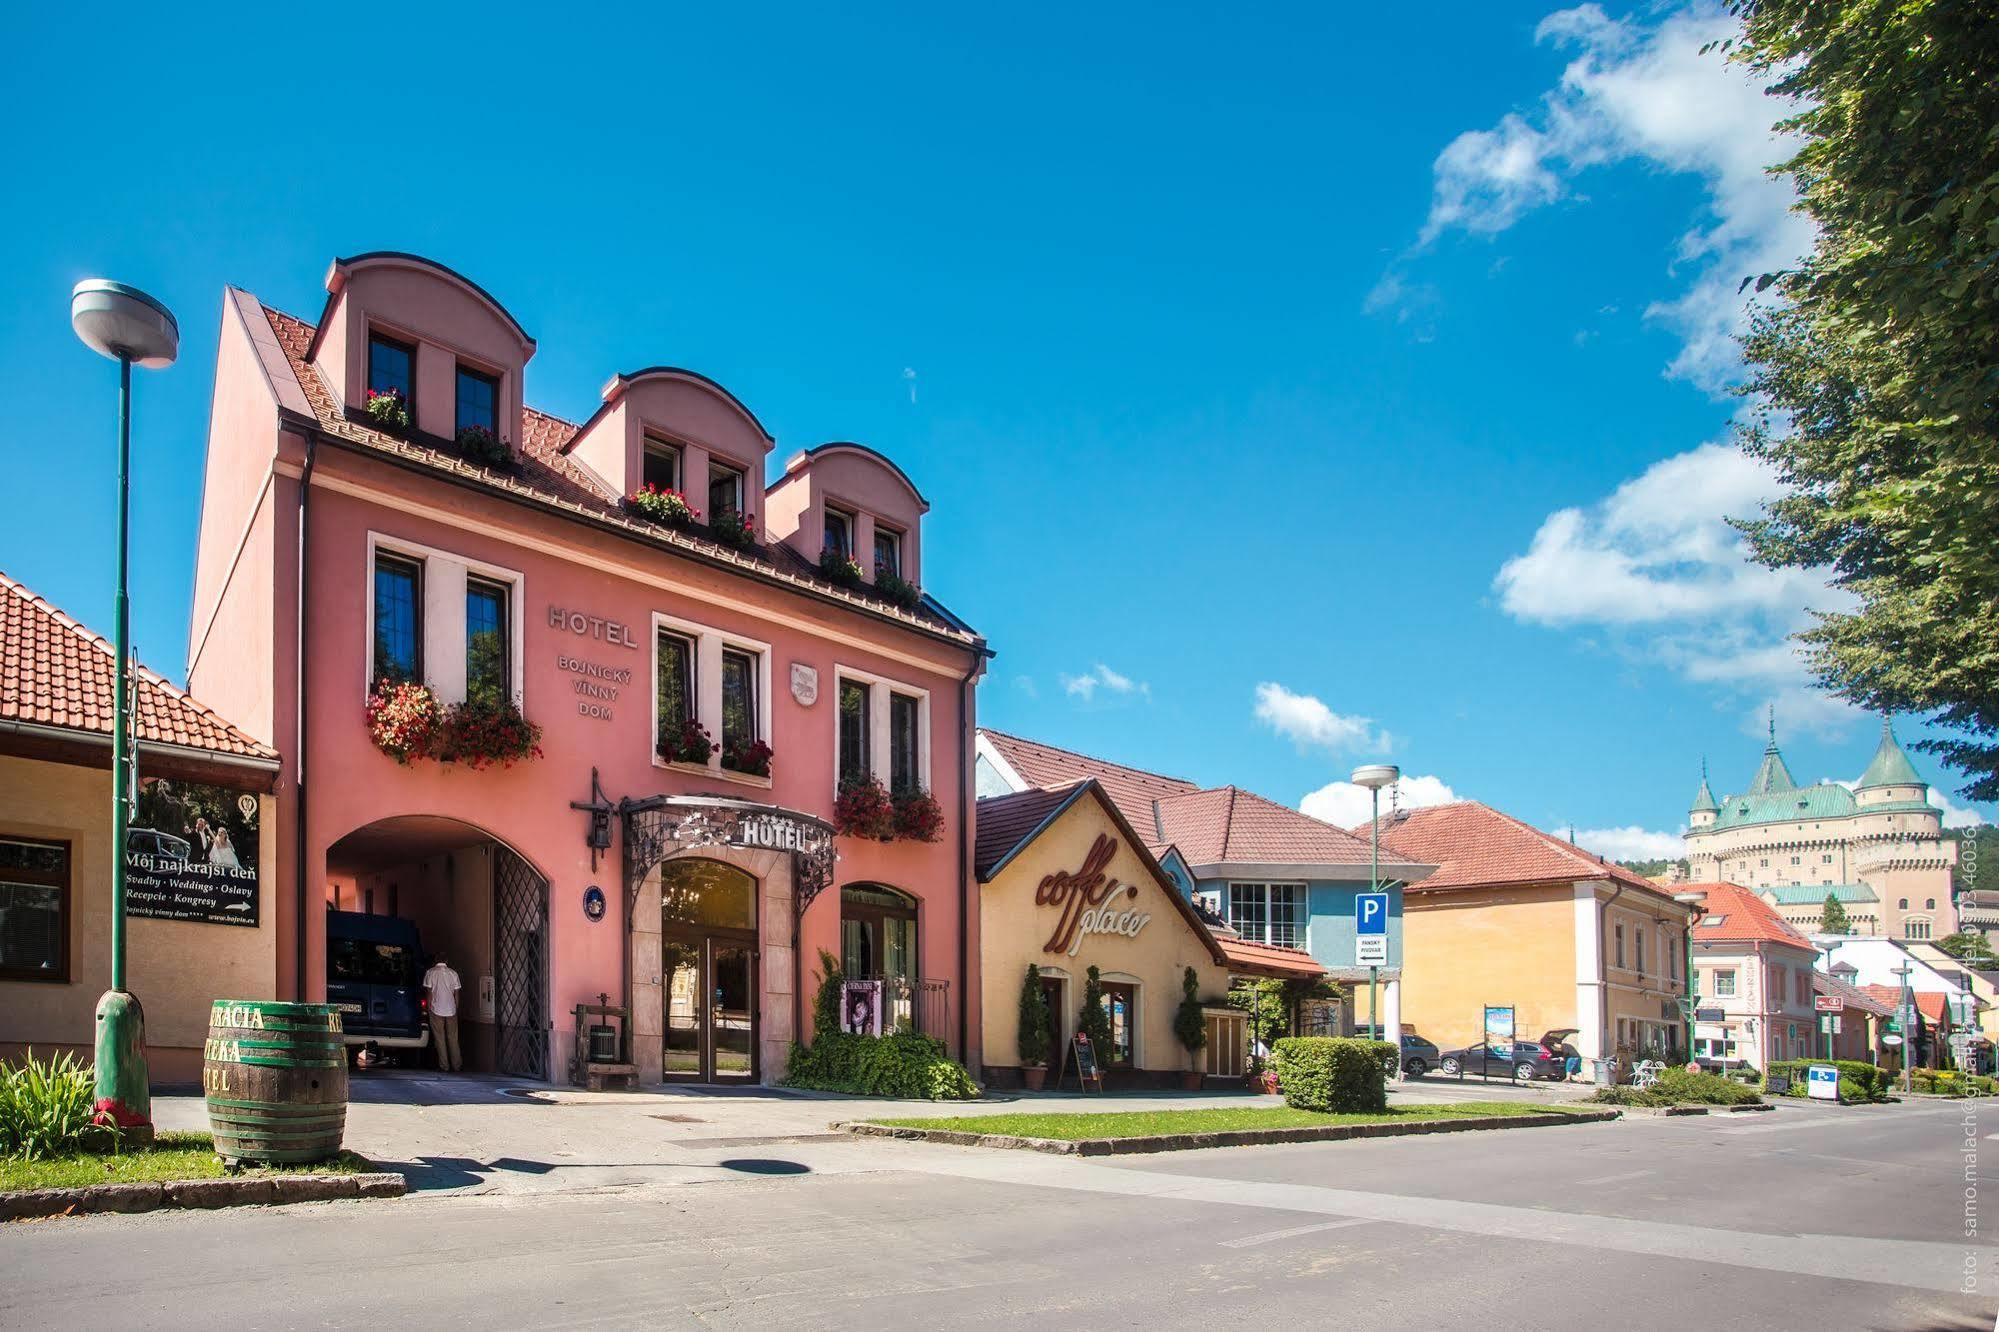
(275, 1076)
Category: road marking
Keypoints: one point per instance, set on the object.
(1615, 1179)
(1267, 1236)
(1798, 1121)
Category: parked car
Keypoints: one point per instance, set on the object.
(1418, 1055)
(1526, 1061)
(374, 976)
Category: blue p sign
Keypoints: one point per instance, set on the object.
(1370, 913)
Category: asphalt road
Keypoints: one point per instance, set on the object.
(1807, 1217)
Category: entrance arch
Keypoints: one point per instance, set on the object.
(468, 897)
(710, 970)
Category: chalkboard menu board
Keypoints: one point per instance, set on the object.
(1087, 1073)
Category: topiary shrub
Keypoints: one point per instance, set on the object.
(1190, 1024)
(1334, 1074)
(1093, 1019)
(1036, 1033)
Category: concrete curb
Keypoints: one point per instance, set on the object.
(1182, 1142)
(152, 1196)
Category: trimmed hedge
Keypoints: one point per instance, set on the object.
(1948, 1082)
(1867, 1082)
(905, 1065)
(1676, 1086)
(1334, 1074)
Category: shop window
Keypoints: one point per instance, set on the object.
(707, 893)
(392, 368)
(888, 551)
(674, 683)
(1121, 1001)
(725, 490)
(34, 910)
(839, 532)
(478, 399)
(904, 714)
(398, 618)
(739, 704)
(1724, 983)
(856, 704)
(488, 643)
(660, 466)
(877, 932)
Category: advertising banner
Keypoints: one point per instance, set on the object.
(192, 854)
(1499, 1030)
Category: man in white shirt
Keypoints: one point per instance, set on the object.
(442, 983)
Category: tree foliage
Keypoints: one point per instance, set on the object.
(1833, 919)
(1875, 372)
(1969, 945)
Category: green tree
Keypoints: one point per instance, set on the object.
(1093, 1019)
(1190, 1024)
(1833, 919)
(1036, 1033)
(1968, 945)
(1872, 371)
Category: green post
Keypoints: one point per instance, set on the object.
(1374, 886)
(122, 1092)
(1689, 998)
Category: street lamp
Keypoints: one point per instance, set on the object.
(1374, 776)
(131, 328)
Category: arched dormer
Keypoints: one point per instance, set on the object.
(850, 497)
(681, 431)
(403, 321)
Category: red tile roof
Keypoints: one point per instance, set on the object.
(1852, 995)
(1231, 825)
(1132, 790)
(1474, 844)
(54, 672)
(1930, 1003)
(1004, 822)
(1267, 959)
(1744, 917)
(545, 474)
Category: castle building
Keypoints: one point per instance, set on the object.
(1877, 847)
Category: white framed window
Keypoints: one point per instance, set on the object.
(725, 490)
(445, 621)
(1724, 983)
(1916, 927)
(840, 527)
(726, 679)
(882, 730)
(660, 465)
(888, 551)
(1270, 913)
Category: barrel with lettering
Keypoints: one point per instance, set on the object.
(275, 1076)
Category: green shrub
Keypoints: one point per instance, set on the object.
(906, 1065)
(1852, 1093)
(1035, 1033)
(826, 1001)
(1679, 1087)
(1623, 1096)
(1190, 1023)
(47, 1109)
(1334, 1074)
(1874, 1083)
(1093, 1019)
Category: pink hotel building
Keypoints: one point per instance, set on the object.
(342, 545)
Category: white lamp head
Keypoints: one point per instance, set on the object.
(123, 323)
(1374, 776)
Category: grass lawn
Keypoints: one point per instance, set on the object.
(172, 1156)
(1151, 1123)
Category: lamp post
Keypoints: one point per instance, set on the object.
(1905, 1004)
(1696, 904)
(131, 328)
(1374, 776)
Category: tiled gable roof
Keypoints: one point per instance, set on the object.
(54, 672)
(1744, 917)
(1851, 995)
(1231, 825)
(1930, 1003)
(1132, 790)
(545, 474)
(1004, 822)
(1474, 844)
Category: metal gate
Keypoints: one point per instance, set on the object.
(520, 965)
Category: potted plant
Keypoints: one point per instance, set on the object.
(862, 809)
(388, 410)
(733, 527)
(484, 447)
(752, 758)
(897, 588)
(1036, 1031)
(403, 718)
(1190, 1024)
(687, 743)
(918, 816)
(840, 567)
(661, 505)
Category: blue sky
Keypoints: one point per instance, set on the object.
(1288, 390)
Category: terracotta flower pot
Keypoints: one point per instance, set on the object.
(1192, 1080)
(1034, 1077)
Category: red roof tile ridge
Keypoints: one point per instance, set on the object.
(1090, 758)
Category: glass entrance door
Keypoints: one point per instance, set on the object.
(711, 1009)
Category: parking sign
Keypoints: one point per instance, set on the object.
(1822, 1082)
(1370, 929)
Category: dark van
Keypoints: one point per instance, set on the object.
(374, 976)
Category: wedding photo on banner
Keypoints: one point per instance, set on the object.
(192, 854)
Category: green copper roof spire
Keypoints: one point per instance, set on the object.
(1772, 776)
(1890, 766)
(1704, 802)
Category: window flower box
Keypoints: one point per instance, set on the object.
(918, 816)
(388, 411)
(691, 743)
(840, 567)
(669, 508)
(484, 447)
(752, 759)
(403, 718)
(733, 527)
(863, 809)
(406, 722)
(897, 588)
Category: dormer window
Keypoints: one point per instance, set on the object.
(661, 467)
(888, 551)
(478, 400)
(725, 490)
(840, 532)
(391, 366)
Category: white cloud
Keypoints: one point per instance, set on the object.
(1307, 722)
(1628, 843)
(1348, 806)
(1100, 676)
(1643, 91)
(1954, 816)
